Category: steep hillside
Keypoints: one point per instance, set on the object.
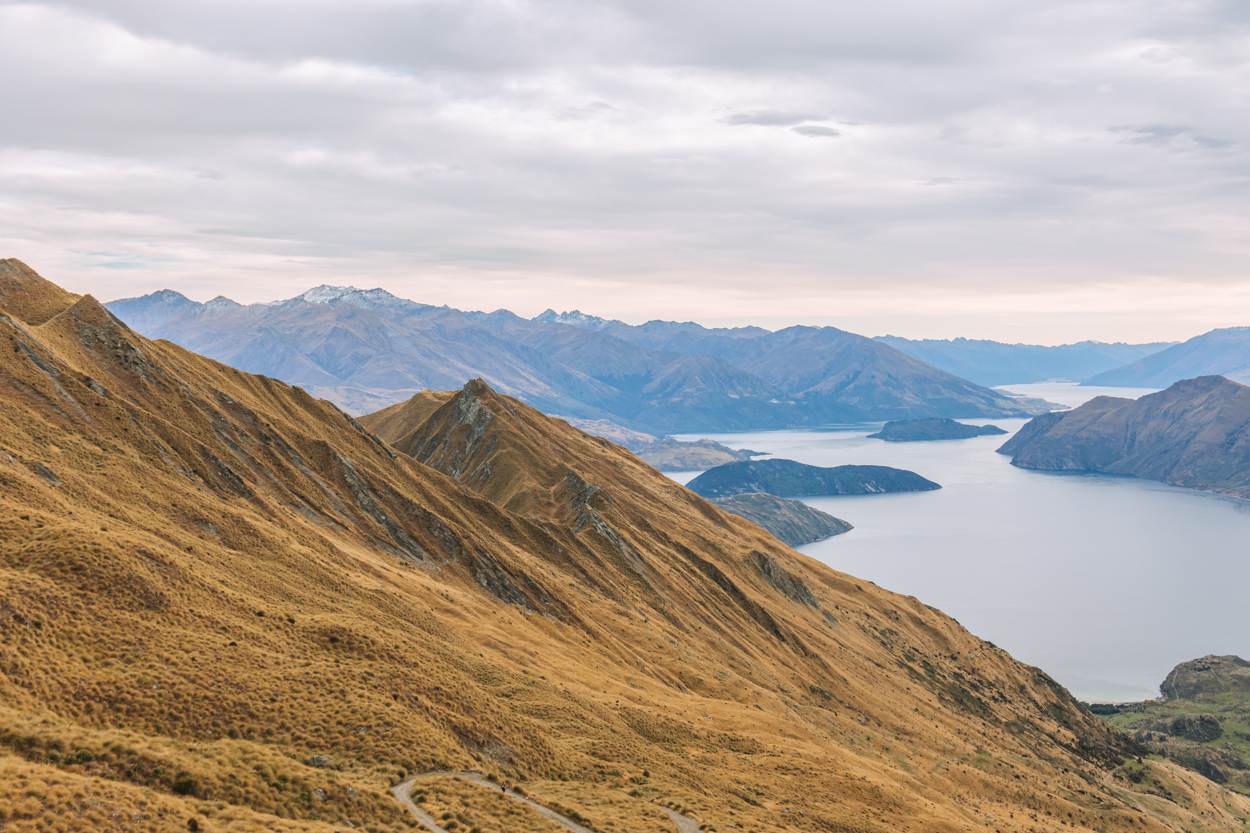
(366, 349)
(395, 422)
(225, 606)
(1217, 353)
(995, 363)
(1195, 434)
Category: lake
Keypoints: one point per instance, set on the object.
(1105, 583)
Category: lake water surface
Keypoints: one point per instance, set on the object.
(1105, 583)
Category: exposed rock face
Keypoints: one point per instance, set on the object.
(786, 478)
(919, 430)
(1199, 727)
(1195, 434)
(792, 521)
(786, 582)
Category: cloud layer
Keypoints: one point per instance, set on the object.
(981, 167)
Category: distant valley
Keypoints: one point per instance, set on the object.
(1224, 352)
(997, 363)
(365, 349)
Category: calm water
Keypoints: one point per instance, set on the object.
(1105, 583)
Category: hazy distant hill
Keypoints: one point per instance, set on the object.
(1195, 434)
(996, 363)
(1220, 353)
(365, 349)
(829, 370)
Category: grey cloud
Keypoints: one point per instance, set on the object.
(577, 154)
(1161, 135)
(816, 131)
(771, 118)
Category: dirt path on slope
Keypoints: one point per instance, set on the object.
(403, 794)
(684, 823)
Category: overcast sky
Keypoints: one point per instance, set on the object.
(1040, 171)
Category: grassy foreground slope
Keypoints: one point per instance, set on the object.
(225, 606)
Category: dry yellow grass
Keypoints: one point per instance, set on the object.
(223, 600)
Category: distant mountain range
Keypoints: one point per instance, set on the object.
(1194, 434)
(364, 349)
(996, 363)
(1223, 352)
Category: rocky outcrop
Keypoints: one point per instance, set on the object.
(1199, 727)
(786, 478)
(1194, 434)
(792, 521)
(918, 430)
(1206, 677)
(782, 580)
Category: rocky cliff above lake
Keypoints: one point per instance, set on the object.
(919, 430)
(1193, 434)
(787, 478)
(792, 521)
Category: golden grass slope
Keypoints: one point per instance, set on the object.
(394, 421)
(226, 606)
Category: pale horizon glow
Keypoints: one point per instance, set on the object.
(980, 168)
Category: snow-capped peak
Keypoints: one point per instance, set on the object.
(325, 293)
(572, 317)
(221, 302)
